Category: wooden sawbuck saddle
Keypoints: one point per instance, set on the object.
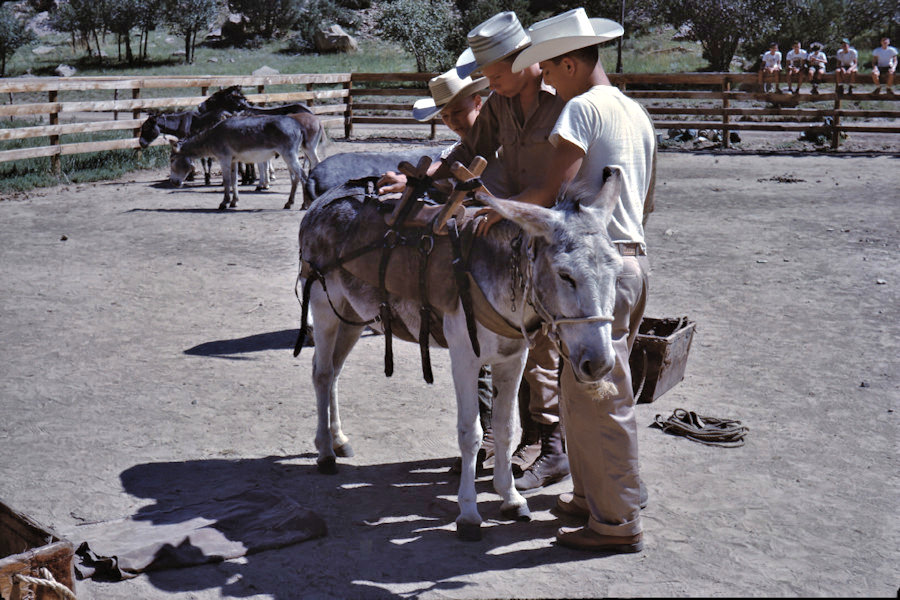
(414, 248)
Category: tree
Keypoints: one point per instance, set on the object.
(265, 17)
(188, 18)
(475, 12)
(720, 25)
(425, 28)
(13, 34)
(121, 17)
(81, 18)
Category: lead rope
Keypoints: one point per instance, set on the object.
(711, 431)
(45, 580)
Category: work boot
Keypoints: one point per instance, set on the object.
(529, 447)
(551, 465)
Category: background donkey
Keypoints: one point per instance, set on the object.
(250, 139)
(182, 125)
(568, 271)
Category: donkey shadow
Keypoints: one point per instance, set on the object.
(390, 527)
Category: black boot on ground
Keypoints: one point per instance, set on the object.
(551, 465)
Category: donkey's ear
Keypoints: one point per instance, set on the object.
(537, 221)
(605, 202)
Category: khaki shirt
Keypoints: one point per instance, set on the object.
(520, 142)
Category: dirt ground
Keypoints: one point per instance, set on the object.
(146, 363)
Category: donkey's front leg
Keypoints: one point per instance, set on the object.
(505, 424)
(465, 380)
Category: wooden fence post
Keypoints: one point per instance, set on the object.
(55, 165)
(309, 88)
(136, 113)
(348, 113)
(726, 103)
(261, 89)
(836, 122)
(115, 98)
(433, 129)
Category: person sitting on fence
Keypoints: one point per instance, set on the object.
(884, 63)
(796, 59)
(845, 72)
(817, 62)
(771, 64)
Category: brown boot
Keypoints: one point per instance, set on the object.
(551, 465)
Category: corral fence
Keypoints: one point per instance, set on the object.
(724, 102)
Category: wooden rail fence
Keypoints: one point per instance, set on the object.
(719, 101)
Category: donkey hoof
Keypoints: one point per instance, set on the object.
(327, 465)
(516, 513)
(344, 451)
(468, 532)
(223, 206)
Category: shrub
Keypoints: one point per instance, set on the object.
(425, 29)
(13, 34)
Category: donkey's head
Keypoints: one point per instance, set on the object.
(180, 165)
(574, 267)
(230, 98)
(149, 131)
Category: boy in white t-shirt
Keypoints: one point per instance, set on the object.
(817, 62)
(794, 63)
(771, 65)
(599, 127)
(846, 69)
(884, 63)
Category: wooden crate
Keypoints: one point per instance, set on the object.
(26, 547)
(659, 356)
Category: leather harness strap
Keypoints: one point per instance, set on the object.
(460, 272)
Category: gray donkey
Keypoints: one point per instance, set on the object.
(249, 139)
(552, 268)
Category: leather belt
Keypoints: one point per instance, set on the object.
(630, 249)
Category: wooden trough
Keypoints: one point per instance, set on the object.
(26, 548)
(659, 356)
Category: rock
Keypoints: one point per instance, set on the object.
(335, 39)
(265, 70)
(880, 281)
(42, 50)
(65, 71)
(212, 59)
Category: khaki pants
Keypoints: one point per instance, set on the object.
(541, 374)
(601, 433)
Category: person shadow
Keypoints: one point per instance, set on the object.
(390, 527)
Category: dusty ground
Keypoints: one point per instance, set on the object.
(146, 364)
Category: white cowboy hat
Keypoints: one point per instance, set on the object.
(563, 33)
(444, 89)
(493, 40)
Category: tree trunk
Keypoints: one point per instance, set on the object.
(187, 47)
(129, 55)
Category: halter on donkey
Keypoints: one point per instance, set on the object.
(554, 268)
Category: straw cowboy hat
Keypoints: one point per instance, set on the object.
(444, 89)
(495, 39)
(563, 33)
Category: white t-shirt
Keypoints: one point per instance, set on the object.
(817, 60)
(613, 130)
(847, 58)
(884, 56)
(795, 58)
(772, 60)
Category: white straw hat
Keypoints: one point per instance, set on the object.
(493, 40)
(563, 33)
(444, 89)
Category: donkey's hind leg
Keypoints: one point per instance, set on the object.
(333, 342)
(292, 160)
